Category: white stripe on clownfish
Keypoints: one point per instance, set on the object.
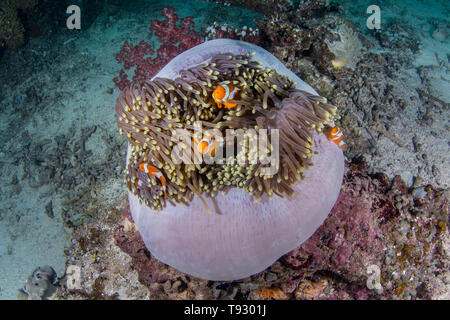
(224, 94)
(153, 171)
(211, 145)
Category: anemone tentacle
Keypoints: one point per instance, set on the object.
(150, 112)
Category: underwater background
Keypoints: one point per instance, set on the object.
(62, 196)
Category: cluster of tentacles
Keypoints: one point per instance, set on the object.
(161, 115)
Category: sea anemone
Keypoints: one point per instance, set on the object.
(160, 118)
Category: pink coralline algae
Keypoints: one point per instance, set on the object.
(177, 35)
(379, 224)
(351, 227)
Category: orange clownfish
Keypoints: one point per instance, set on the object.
(207, 144)
(224, 95)
(153, 171)
(336, 135)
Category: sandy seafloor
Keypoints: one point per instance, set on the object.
(61, 153)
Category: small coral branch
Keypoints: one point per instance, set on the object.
(176, 35)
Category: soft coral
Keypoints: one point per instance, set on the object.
(176, 35)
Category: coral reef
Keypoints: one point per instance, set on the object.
(176, 35)
(130, 241)
(348, 47)
(395, 116)
(315, 31)
(97, 269)
(11, 28)
(377, 222)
